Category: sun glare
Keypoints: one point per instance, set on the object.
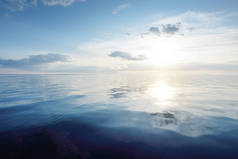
(164, 52)
(162, 92)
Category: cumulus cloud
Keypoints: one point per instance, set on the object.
(19, 5)
(165, 29)
(155, 30)
(120, 7)
(170, 28)
(127, 56)
(34, 60)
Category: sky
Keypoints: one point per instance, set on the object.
(111, 35)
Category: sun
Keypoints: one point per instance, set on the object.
(164, 52)
(164, 59)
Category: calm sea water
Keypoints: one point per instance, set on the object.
(119, 115)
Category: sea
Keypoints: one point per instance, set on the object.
(119, 115)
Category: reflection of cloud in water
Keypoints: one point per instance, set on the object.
(192, 125)
(183, 123)
(119, 92)
(163, 119)
(123, 91)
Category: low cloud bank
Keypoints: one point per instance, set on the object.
(34, 60)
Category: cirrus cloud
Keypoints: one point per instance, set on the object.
(60, 2)
(120, 7)
(19, 5)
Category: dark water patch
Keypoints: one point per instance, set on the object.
(74, 139)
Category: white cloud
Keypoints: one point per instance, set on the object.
(120, 7)
(210, 45)
(195, 20)
(209, 42)
(60, 2)
(19, 5)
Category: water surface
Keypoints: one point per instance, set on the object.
(119, 115)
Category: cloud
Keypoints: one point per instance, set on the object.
(164, 29)
(210, 66)
(127, 56)
(170, 28)
(155, 30)
(208, 45)
(196, 20)
(60, 2)
(19, 5)
(34, 60)
(120, 7)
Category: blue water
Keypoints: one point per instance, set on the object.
(119, 115)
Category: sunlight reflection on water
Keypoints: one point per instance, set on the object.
(191, 105)
(162, 93)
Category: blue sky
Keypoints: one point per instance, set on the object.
(79, 28)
